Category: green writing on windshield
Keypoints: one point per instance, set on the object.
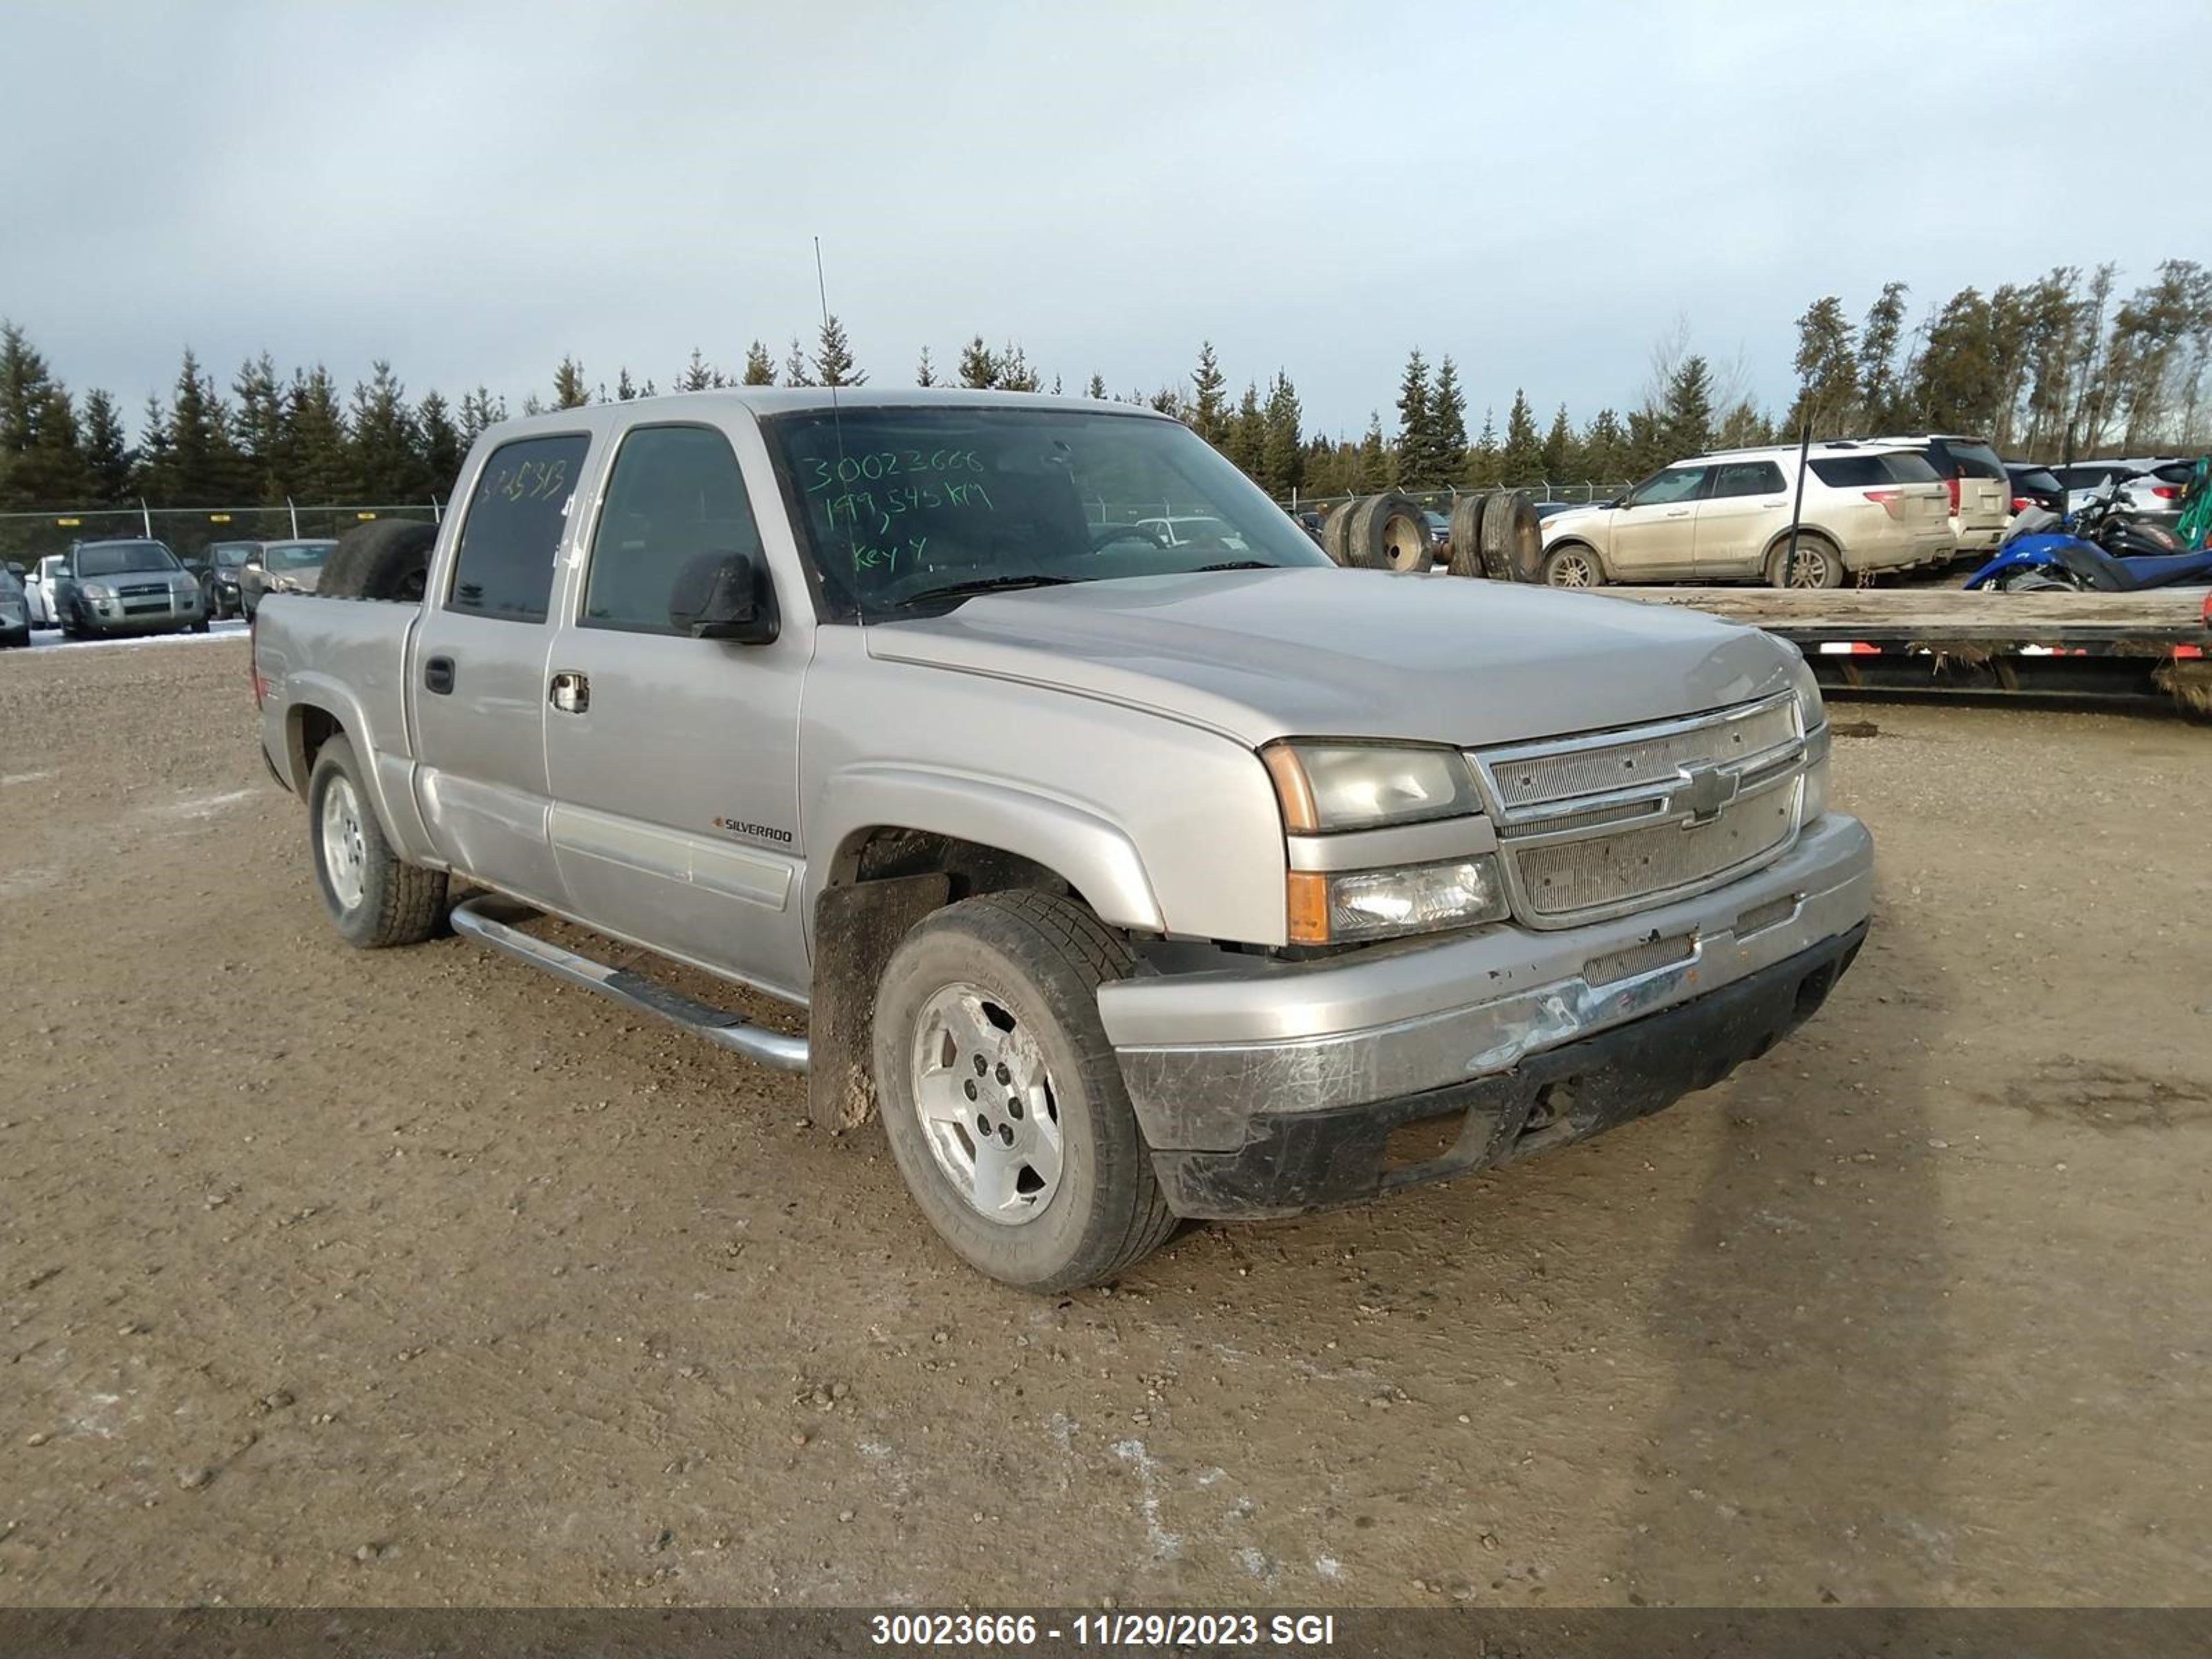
(879, 464)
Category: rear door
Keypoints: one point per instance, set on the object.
(1747, 502)
(674, 761)
(479, 663)
(1655, 528)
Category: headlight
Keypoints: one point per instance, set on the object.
(96, 590)
(1353, 905)
(1327, 787)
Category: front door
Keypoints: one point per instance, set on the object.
(674, 761)
(1655, 527)
(479, 669)
(1748, 504)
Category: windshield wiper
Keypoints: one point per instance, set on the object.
(975, 584)
(1237, 564)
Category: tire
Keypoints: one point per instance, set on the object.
(1388, 533)
(1466, 535)
(1512, 537)
(1819, 564)
(1009, 982)
(377, 900)
(387, 560)
(200, 626)
(1335, 526)
(1573, 564)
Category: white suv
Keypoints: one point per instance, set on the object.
(1725, 517)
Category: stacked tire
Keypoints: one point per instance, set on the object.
(389, 559)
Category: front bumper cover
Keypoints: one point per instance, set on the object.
(1293, 1161)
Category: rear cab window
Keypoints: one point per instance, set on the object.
(503, 568)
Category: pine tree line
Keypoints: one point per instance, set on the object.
(2061, 364)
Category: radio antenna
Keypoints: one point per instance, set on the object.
(836, 420)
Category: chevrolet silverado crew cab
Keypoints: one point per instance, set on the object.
(1129, 876)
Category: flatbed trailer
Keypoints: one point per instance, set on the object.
(1949, 640)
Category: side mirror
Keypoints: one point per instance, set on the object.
(724, 596)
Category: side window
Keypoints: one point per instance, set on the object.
(675, 497)
(1748, 478)
(1676, 483)
(505, 565)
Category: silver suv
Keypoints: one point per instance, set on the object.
(1725, 517)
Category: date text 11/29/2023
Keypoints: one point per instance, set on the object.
(1016, 1632)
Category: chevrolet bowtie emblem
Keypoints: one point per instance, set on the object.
(1706, 794)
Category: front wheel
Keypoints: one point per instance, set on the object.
(1572, 566)
(1001, 1097)
(373, 898)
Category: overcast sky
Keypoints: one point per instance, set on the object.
(473, 190)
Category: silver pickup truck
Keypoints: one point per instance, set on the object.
(1128, 876)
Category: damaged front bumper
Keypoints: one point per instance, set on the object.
(1273, 1088)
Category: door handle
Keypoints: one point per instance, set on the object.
(438, 675)
(1678, 513)
(570, 693)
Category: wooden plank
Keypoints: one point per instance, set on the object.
(2162, 617)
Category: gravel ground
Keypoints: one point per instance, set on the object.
(412, 1277)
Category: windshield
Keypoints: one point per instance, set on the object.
(895, 505)
(230, 555)
(295, 555)
(120, 558)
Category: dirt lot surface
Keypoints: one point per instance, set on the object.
(412, 1277)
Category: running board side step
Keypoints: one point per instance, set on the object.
(499, 922)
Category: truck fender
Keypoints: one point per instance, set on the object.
(1092, 855)
(384, 775)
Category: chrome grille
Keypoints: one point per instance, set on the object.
(1611, 822)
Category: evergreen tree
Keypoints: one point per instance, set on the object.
(151, 458)
(1417, 438)
(758, 371)
(1828, 371)
(318, 451)
(24, 380)
(1097, 388)
(1880, 392)
(1486, 466)
(441, 445)
(1245, 443)
(570, 389)
(700, 375)
(925, 372)
(1605, 450)
(1209, 409)
(201, 467)
(479, 410)
(256, 427)
(625, 388)
(1956, 383)
(106, 448)
(387, 461)
(53, 471)
(979, 366)
(1282, 445)
(833, 357)
(1015, 373)
(1522, 462)
(795, 369)
(1686, 418)
(1448, 423)
(1561, 455)
(1374, 467)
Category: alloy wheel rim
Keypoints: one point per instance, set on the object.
(345, 849)
(1573, 571)
(984, 1099)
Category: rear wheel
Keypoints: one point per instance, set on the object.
(1001, 1097)
(373, 899)
(1818, 564)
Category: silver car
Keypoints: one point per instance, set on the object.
(126, 588)
(289, 566)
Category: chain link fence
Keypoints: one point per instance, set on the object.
(188, 531)
(1440, 501)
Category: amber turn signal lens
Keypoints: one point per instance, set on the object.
(1309, 907)
(1292, 789)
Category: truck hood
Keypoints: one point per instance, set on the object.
(1311, 652)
